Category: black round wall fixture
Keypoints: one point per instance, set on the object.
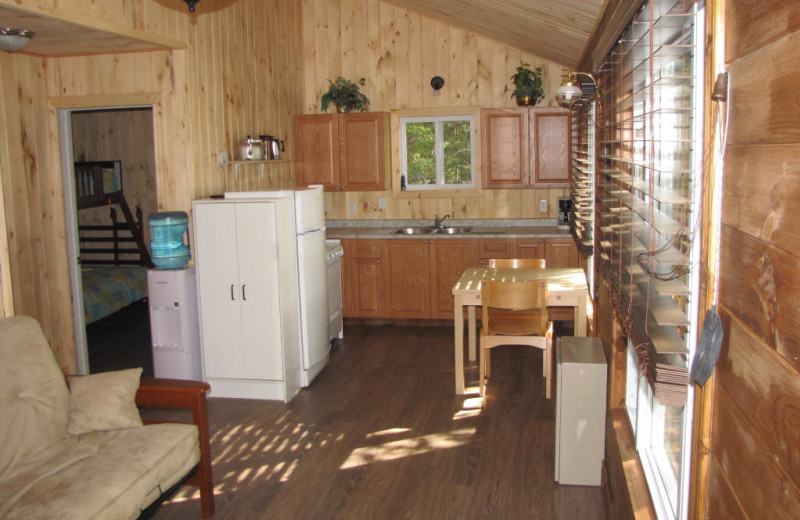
(437, 82)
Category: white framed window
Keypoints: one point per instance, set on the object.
(663, 440)
(649, 201)
(438, 152)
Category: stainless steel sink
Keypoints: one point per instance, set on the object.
(433, 230)
(452, 230)
(415, 230)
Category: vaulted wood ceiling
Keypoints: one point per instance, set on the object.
(557, 30)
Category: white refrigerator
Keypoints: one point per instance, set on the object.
(309, 232)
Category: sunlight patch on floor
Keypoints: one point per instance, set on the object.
(470, 408)
(472, 390)
(394, 450)
(390, 431)
(288, 473)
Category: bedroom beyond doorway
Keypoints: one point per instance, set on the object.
(111, 210)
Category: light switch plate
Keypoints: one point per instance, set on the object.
(351, 207)
(543, 205)
(381, 203)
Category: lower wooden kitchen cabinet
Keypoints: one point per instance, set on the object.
(557, 252)
(362, 278)
(406, 278)
(419, 275)
(414, 278)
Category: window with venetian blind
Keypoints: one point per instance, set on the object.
(582, 175)
(648, 185)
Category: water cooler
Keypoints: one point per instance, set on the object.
(172, 293)
(174, 326)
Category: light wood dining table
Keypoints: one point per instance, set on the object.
(566, 287)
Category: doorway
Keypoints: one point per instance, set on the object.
(111, 313)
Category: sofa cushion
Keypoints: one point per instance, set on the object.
(119, 473)
(104, 401)
(34, 400)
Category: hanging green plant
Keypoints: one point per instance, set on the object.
(527, 85)
(345, 95)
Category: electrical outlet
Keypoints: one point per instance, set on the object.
(543, 206)
(381, 203)
(351, 207)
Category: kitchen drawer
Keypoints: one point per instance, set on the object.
(365, 248)
(495, 248)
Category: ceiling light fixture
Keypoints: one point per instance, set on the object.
(191, 3)
(570, 92)
(13, 40)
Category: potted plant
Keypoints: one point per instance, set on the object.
(527, 85)
(345, 95)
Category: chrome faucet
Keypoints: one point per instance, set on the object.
(437, 223)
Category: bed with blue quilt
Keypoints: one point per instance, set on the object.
(114, 258)
(109, 288)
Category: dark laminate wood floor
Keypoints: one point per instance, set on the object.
(381, 435)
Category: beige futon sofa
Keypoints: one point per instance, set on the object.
(81, 451)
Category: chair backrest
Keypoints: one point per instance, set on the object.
(524, 302)
(514, 295)
(516, 263)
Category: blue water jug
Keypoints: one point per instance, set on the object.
(169, 244)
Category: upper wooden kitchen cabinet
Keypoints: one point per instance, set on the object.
(525, 147)
(343, 152)
(419, 275)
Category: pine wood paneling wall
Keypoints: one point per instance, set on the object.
(127, 136)
(247, 72)
(33, 206)
(239, 75)
(754, 423)
(398, 52)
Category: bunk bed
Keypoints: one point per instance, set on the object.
(113, 257)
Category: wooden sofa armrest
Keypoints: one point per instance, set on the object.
(179, 393)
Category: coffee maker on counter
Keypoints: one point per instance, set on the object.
(564, 209)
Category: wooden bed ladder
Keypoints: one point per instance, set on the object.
(116, 240)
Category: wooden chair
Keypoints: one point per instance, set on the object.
(515, 313)
(516, 263)
(512, 263)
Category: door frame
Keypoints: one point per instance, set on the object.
(64, 107)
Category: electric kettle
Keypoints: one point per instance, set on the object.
(250, 150)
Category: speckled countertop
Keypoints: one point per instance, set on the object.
(486, 228)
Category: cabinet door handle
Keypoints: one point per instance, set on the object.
(377, 261)
(233, 298)
(548, 240)
(244, 292)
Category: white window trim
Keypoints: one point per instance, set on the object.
(439, 152)
(640, 411)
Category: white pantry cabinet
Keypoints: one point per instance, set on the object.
(247, 298)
